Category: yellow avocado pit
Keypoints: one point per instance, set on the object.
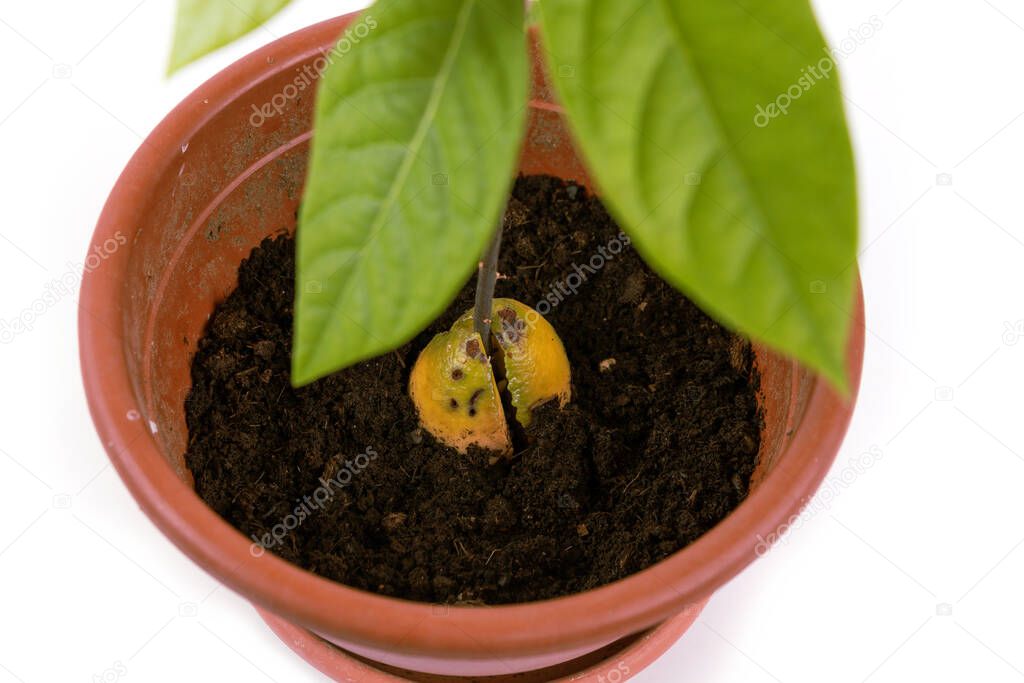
(454, 386)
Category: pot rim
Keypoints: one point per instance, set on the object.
(605, 613)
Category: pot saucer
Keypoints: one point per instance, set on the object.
(613, 663)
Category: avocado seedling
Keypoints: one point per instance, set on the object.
(424, 116)
(461, 376)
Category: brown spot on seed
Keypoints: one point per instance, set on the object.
(473, 348)
(511, 327)
(474, 397)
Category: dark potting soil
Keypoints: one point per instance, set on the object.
(656, 447)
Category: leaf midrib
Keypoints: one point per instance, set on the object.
(422, 128)
(727, 153)
(717, 117)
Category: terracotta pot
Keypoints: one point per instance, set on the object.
(221, 172)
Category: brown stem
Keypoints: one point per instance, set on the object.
(487, 274)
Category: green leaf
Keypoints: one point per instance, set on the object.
(202, 26)
(416, 138)
(751, 215)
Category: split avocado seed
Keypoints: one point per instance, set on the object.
(456, 386)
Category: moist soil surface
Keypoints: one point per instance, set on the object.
(656, 447)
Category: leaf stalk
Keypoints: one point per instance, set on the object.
(487, 275)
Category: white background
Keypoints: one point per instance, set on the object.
(913, 572)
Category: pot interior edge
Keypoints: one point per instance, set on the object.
(236, 183)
